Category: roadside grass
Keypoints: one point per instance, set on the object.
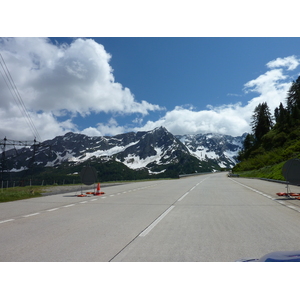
(269, 172)
(19, 193)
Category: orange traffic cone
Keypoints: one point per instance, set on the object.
(98, 193)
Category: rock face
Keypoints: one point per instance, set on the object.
(155, 151)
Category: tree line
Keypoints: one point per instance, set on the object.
(269, 131)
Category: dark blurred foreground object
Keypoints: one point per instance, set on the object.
(278, 256)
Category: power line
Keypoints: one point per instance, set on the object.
(17, 97)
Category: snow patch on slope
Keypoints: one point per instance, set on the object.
(135, 162)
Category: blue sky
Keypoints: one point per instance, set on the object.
(111, 85)
(193, 68)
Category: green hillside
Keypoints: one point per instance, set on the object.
(274, 138)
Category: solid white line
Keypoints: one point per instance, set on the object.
(7, 221)
(254, 190)
(183, 196)
(31, 215)
(151, 226)
(52, 209)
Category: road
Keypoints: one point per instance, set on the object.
(202, 218)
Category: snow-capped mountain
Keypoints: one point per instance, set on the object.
(221, 148)
(157, 151)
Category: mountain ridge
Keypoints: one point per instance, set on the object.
(155, 152)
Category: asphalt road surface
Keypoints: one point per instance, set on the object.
(202, 218)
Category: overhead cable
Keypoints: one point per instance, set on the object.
(17, 97)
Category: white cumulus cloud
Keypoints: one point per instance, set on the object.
(232, 119)
(56, 80)
(290, 62)
(67, 80)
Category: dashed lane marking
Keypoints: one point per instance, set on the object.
(152, 225)
(53, 209)
(26, 216)
(9, 220)
(73, 204)
(183, 196)
(69, 205)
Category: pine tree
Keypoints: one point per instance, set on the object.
(293, 97)
(261, 121)
(282, 117)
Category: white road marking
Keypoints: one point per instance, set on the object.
(267, 196)
(31, 215)
(183, 196)
(52, 209)
(152, 225)
(254, 190)
(83, 202)
(9, 220)
(69, 205)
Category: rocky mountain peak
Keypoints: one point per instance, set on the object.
(155, 151)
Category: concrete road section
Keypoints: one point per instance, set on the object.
(200, 218)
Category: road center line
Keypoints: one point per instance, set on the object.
(52, 209)
(183, 196)
(9, 220)
(31, 215)
(152, 225)
(69, 205)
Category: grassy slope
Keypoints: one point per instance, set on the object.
(267, 160)
(271, 172)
